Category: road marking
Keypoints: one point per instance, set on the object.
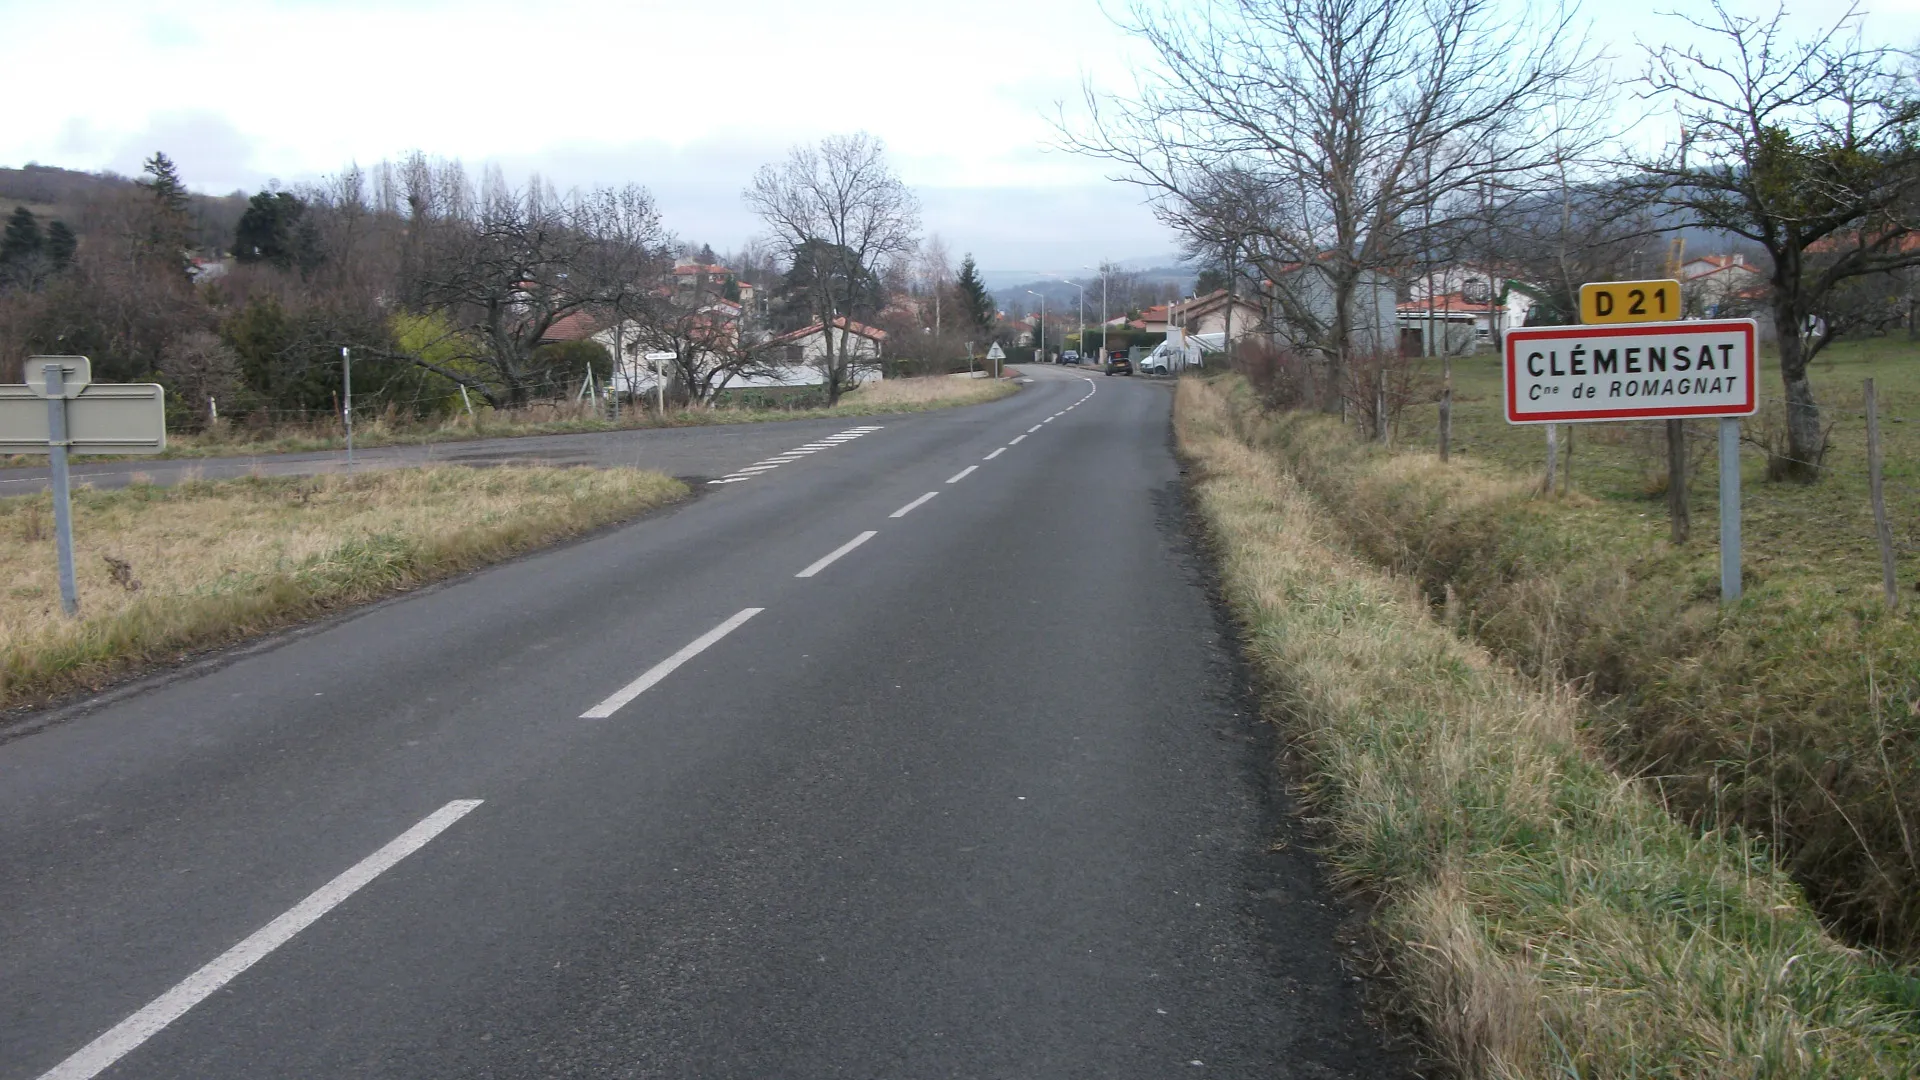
(666, 667)
(961, 475)
(1035, 427)
(729, 479)
(758, 468)
(909, 508)
(831, 556)
(1016, 440)
(123, 1038)
(995, 454)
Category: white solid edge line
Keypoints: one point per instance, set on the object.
(910, 507)
(100, 1054)
(995, 454)
(665, 667)
(961, 475)
(828, 559)
(1015, 441)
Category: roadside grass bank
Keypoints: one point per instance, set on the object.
(1547, 918)
(392, 428)
(1794, 715)
(162, 570)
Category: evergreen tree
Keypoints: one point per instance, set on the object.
(976, 303)
(276, 229)
(170, 220)
(706, 256)
(22, 254)
(61, 245)
(169, 194)
(22, 240)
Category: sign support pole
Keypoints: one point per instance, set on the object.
(62, 506)
(346, 375)
(1729, 510)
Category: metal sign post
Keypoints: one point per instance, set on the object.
(1643, 370)
(62, 502)
(79, 416)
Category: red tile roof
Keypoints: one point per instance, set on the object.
(841, 323)
(576, 326)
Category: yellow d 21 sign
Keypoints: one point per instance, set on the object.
(1630, 301)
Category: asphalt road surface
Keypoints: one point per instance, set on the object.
(919, 756)
(695, 453)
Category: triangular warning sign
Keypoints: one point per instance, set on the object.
(994, 353)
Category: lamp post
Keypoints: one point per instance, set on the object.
(1043, 324)
(1103, 307)
(1082, 339)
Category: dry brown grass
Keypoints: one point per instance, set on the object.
(161, 570)
(906, 395)
(1550, 918)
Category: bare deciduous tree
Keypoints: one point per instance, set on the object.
(503, 266)
(1311, 132)
(841, 207)
(1808, 149)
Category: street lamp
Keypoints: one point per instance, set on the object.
(1082, 339)
(1043, 325)
(1103, 307)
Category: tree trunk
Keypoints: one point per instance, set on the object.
(1804, 451)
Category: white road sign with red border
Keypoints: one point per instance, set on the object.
(1633, 371)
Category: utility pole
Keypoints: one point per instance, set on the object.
(346, 389)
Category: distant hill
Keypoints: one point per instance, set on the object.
(66, 194)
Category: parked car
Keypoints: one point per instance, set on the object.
(1069, 357)
(1119, 364)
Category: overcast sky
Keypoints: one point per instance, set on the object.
(686, 98)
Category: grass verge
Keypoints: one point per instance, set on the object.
(162, 570)
(1550, 918)
(393, 429)
(1794, 715)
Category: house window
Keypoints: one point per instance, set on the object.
(796, 353)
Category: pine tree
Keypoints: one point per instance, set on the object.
(22, 240)
(169, 194)
(168, 227)
(61, 245)
(976, 303)
(22, 258)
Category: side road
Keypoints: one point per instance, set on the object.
(788, 781)
(690, 453)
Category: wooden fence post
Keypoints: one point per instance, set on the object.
(1677, 480)
(1882, 528)
(1446, 410)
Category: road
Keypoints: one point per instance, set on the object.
(977, 797)
(694, 453)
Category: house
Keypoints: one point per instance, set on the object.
(1457, 310)
(1714, 285)
(1153, 320)
(1208, 315)
(1303, 303)
(694, 278)
(796, 358)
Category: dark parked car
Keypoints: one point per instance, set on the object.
(1119, 364)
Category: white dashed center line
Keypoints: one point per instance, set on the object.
(832, 556)
(995, 454)
(1016, 440)
(961, 475)
(909, 508)
(666, 667)
(100, 1054)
